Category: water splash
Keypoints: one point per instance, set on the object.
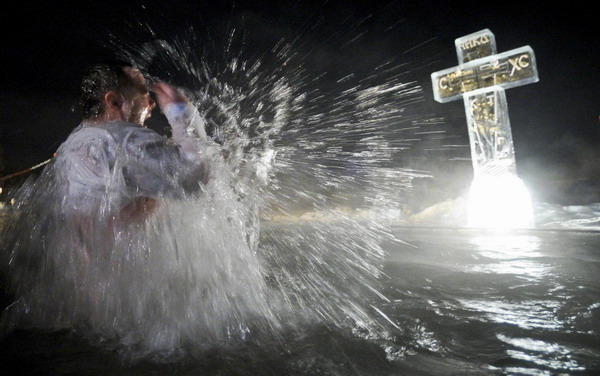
(287, 233)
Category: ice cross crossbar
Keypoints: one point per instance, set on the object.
(481, 67)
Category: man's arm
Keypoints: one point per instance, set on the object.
(186, 123)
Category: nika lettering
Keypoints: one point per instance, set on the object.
(484, 39)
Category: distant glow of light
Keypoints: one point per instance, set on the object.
(499, 202)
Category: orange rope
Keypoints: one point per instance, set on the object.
(28, 169)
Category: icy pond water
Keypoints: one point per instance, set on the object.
(459, 301)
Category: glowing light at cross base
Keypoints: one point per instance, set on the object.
(501, 202)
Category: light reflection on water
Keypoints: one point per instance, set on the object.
(545, 354)
(521, 256)
(534, 314)
(524, 301)
(510, 253)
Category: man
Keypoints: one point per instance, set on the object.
(112, 150)
(112, 170)
(83, 224)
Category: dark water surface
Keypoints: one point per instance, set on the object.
(459, 302)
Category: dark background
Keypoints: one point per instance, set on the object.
(555, 122)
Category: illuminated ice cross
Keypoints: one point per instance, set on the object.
(498, 198)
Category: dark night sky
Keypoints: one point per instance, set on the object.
(555, 122)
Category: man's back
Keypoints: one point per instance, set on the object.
(117, 161)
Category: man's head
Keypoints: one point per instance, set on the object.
(115, 90)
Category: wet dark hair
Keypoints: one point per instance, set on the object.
(97, 80)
